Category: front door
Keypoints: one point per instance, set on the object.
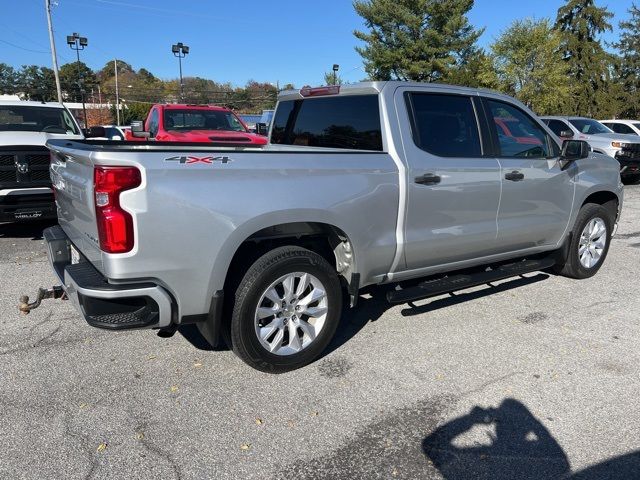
(453, 189)
(537, 195)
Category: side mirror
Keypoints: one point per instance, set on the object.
(566, 134)
(573, 150)
(93, 132)
(137, 129)
(262, 129)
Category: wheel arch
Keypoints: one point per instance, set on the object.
(607, 198)
(318, 231)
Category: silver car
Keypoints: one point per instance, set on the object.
(623, 147)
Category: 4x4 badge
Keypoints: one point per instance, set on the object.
(192, 159)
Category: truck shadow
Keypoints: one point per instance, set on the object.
(373, 304)
(508, 442)
(31, 230)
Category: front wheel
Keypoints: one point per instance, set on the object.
(286, 310)
(589, 243)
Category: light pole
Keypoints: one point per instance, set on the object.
(335, 73)
(180, 50)
(77, 43)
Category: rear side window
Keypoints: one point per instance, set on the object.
(351, 122)
(518, 134)
(445, 125)
(558, 127)
(620, 128)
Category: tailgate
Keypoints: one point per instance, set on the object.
(72, 178)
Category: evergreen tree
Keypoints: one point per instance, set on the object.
(71, 83)
(529, 66)
(629, 66)
(8, 79)
(589, 66)
(36, 83)
(420, 40)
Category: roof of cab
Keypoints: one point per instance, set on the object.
(183, 106)
(25, 103)
(363, 88)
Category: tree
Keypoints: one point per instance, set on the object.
(589, 66)
(332, 78)
(72, 82)
(421, 40)
(8, 79)
(628, 70)
(36, 83)
(528, 64)
(474, 70)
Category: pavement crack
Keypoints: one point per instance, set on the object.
(154, 449)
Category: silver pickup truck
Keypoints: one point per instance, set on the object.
(397, 183)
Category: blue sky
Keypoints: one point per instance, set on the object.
(270, 40)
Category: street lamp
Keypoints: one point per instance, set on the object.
(180, 50)
(335, 73)
(77, 43)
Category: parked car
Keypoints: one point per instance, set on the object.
(364, 184)
(630, 127)
(624, 148)
(25, 183)
(115, 132)
(195, 124)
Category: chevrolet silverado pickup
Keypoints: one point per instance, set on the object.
(407, 184)
(25, 185)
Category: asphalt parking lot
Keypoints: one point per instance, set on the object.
(531, 378)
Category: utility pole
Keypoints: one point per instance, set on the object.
(115, 66)
(54, 57)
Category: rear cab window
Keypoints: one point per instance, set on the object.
(346, 121)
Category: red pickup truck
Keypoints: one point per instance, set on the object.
(196, 123)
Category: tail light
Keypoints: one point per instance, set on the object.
(115, 226)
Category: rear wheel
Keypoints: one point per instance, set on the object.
(589, 243)
(286, 310)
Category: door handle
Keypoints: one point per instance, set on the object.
(514, 176)
(428, 179)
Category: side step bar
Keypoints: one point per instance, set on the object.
(431, 288)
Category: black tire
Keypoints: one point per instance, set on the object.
(571, 266)
(631, 179)
(267, 269)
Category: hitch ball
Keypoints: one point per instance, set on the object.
(54, 292)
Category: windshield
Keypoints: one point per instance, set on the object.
(185, 120)
(637, 125)
(27, 118)
(590, 127)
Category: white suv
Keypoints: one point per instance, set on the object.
(630, 127)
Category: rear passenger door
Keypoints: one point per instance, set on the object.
(537, 195)
(453, 187)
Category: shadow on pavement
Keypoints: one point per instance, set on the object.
(371, 308)
(31, 230)
(508, 442)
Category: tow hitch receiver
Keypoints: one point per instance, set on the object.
(43, 293)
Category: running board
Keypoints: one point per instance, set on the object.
(431, 288)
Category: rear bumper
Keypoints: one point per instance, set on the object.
(21, 204)
(103, 304)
